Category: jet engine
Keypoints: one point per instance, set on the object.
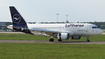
(76, 37)
(63, 36)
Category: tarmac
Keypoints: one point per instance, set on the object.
(55, 42)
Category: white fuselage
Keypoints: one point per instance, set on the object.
(75, 29)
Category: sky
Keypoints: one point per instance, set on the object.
(46, 10)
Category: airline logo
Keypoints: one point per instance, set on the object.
(16, 18)
(74, 25)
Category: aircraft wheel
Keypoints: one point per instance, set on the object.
(51, 40)
(88, 40)
(59, 40)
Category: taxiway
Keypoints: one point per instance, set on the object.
(55, 42)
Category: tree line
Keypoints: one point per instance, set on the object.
(99, 24)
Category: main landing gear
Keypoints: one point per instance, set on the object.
(51, 40)
(87, 38)
(59, 40)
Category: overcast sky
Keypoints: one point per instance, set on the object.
(45, 10)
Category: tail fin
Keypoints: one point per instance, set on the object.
(19, 23)
(17, 19)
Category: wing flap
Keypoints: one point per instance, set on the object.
(43, 30)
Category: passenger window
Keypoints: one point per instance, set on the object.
(94, 27)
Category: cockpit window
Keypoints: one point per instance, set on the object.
(94, 27)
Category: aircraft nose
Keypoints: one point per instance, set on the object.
(100, 31)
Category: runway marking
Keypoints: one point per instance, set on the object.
(55, 42)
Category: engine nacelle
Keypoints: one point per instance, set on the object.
(63, 36)
(76, 37)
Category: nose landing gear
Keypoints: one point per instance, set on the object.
(87, 38)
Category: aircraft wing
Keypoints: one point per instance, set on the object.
(45, 31)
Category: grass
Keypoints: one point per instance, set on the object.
(51, 51)
(4, 36)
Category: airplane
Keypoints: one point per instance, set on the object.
(60, 31)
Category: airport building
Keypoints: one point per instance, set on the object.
(3, 26)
